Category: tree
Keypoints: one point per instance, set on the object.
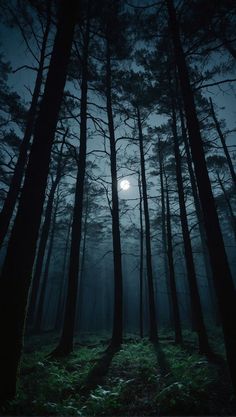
(141, 258)
(16, 180)
(60, 165)
(221, 272)
(16, 273)
(197, 312)
(65, 345)
(199, 214)
(136, 91)
(113, 39)
(174, 297)
(152, 309)
(225, 148)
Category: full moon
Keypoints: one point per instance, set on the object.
(124, 185)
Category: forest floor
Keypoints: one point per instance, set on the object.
(139, 379)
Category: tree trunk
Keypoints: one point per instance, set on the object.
(221, 272)
(199, 218)
(163, 234)
(153, 333)
(14, 189)
(62, 290)
(44, 238)
(81, 275)
(141, 259)
(118, 281)
(17, 269)
(65, 345)
(174, 297)
(191, 273)
(41, 296)
(224, 146)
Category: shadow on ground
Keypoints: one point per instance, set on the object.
(98, 372)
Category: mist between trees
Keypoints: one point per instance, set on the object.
(105, 91)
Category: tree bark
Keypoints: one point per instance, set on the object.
(221, 272)
(81, 275)
(14, 189)
(117, 331)
(191, 273)
(16, 273)
(62, 290)
(174, 296)
(41, 296)
(44, 238)
(141, 259)
(65, 345)
(153, 333)
(163, 233)
(199, 214)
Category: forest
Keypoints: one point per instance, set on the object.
(117, 207)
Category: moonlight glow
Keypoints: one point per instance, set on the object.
(124, 185)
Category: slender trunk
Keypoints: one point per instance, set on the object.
(231, 213)
(172, 279)
(118, 282)
(17, 269)
(42, 292)
(65, 345)
(191, 273)
(44, 238)
(163, 234)
(141, 259)
(222, 277)
(61, 296)
(40, 256)
(81, 275)
(14, 189)
(153, 333)
(199, 218)
(224, 146)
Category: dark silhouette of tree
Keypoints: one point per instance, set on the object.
(82, 274)
(39, 311)
(65, 345)
(14, 189)
(197, 312)
(172, 278)
(152, 310)
(160, 151)
(136, 91)
(45, 233)
(218, 164)
(210, 27)
(16, 273)
(141, 257)
(221, 272)
(222, 139)
(113, 39)
(62, 283)
(199, 215)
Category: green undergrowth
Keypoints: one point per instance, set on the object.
(141, 380)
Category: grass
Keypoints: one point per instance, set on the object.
(141, 380)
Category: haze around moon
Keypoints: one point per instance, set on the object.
(124, 185)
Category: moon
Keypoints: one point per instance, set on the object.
(124, 185)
